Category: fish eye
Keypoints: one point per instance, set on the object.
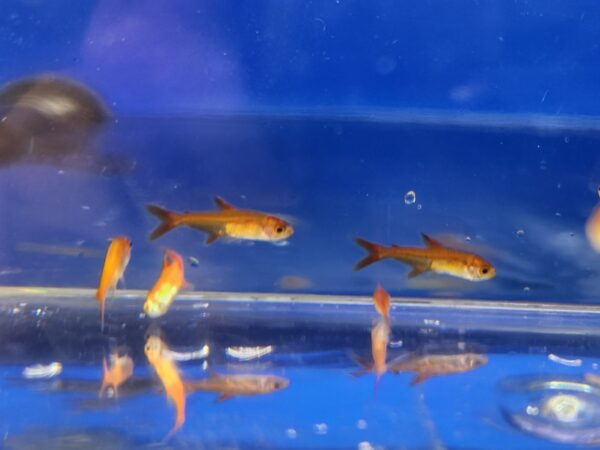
(485, 270)
(279, 229)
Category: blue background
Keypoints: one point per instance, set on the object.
(152, 57)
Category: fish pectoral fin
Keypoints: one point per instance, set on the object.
(420, 378)
(223, 397)
(223, 204)
(366, 365)
(417, 270)
(212, 237)
(187, 285)
(430, 242)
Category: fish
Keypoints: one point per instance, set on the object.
(592, 229)
(434, 257)
(380, 337)
(429, 365)
(115, 262)
(228, 386)
(121, 369)
(171, 280)
(227, 221)
(156, 353)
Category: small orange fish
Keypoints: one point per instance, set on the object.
(228, 386)
(227, 221)
(381, 300)
(435, 257)
(430, 365)
(156, 352)
(380, 333)
(170, 281)
(115, 262)
(592, 229)
(121, 368)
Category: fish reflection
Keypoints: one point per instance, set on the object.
(120, 370)
(380, 336)
(51, 120)
(166, 369)
(430, 365)
(228, 386)
(435, 258)
(228, 221)
(560, 410)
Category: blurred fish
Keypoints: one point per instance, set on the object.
(52, 120)
(61, 250)
(156, 353)
(115, 262)
(380, 337)
(121, 369)
(171, 280)
(228, 221)
(435, 257)
(228, 386)
(592, 229)
(294, 282)
(430, 365)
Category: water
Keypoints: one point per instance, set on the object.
(473, 122)
(335, 179)
(313, 338)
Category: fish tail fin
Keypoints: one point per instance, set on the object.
(375, 253)
(179, 421)
(382, 302)
(168, 219)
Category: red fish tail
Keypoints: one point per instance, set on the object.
(168, 219)
(375, 253)
(382, 302)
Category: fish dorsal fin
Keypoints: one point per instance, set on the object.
(395, 246)
(430, 242)
(223, 204)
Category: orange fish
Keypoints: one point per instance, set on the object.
(228, 221)
(115, 262)
(592, 229)
(170, 281)
(430, 365)
(157, 354)
(121, 368)
(435, 257)
(380, 336)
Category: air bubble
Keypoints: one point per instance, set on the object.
(410, 198)
(520, 232)
(361, 424)
(419, 207)
(320, 428)
(291, 433)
